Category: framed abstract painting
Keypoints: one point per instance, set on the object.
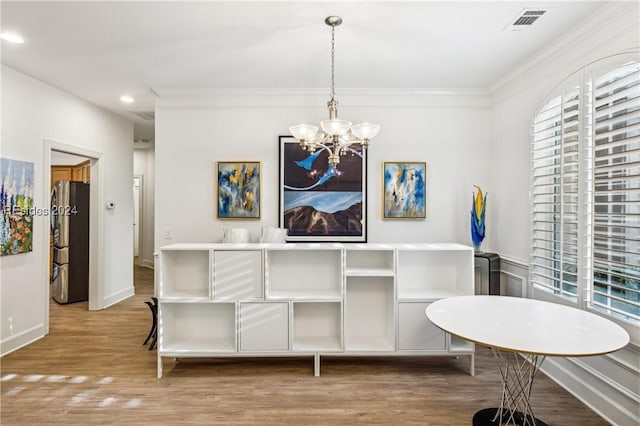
(239, 189)
(404, 190)
(16, 205)
(321, 202)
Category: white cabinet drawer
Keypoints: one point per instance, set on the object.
(416, 332)
(237, 274)
(264, 326)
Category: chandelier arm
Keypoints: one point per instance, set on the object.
(322, 145)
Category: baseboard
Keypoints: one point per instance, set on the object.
(605, 398)
(146, 263)
(118, 297)
(13, 343)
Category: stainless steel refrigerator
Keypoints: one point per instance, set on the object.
(70, 227)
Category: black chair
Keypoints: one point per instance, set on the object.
(153, 333)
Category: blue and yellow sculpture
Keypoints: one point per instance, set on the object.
(478, 207)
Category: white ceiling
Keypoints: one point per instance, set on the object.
(101, 50)
(63, 159)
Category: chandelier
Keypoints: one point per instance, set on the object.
(338, 134)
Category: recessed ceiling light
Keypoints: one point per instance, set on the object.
(12, 37)
(126, 99)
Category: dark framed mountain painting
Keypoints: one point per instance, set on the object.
(319, 201)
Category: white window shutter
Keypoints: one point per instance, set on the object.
(616, 192)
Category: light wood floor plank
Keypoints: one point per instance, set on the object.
(93, 369)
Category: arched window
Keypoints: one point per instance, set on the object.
(585, 189)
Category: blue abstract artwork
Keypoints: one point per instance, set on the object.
(320, 201)
(238, 190)
(404, 186)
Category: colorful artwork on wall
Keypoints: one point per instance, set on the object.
(319, 202)
(239, 189)
(16, 203)
(404, 186)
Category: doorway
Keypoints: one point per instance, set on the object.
(137, 216)
(84, 165)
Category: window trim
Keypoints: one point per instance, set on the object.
(583, 78)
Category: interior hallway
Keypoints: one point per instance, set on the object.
(92, 368)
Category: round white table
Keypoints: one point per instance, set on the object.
(512, 327)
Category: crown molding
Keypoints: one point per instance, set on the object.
(623, 13)
(190, 98)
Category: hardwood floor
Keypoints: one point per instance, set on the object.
(93, 368)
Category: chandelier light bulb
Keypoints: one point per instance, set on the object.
(365, 130)
(304, 132)
(335, 127)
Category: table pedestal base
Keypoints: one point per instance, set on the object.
(517, 373)
(489, 417)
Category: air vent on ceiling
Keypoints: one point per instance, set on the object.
(525, 19)
(145, 115)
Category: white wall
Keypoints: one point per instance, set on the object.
(194, 129)
(515, 103)
(144, 165)
(608, 384)
(32, 112)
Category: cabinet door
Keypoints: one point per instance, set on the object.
(416, 332)
(86, 172)
(76, 174)
(264, 326)
(237, 273)
(60, 173)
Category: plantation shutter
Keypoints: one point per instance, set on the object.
(616, 192)
(554, 196)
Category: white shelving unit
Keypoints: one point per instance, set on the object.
(218, 300)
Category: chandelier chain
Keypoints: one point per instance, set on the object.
(333, 60)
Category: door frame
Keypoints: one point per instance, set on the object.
(96, 219)
(140, 217)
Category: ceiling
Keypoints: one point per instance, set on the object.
(63, 159)
(99, 51)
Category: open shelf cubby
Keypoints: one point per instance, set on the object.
(457, 344)
(369, 262)
(303, 274)
(193, 328)
(317, 326)
(432, 274)
(369, 314)
(185, 273)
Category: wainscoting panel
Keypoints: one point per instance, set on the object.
(513, 278)
(608, 384)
